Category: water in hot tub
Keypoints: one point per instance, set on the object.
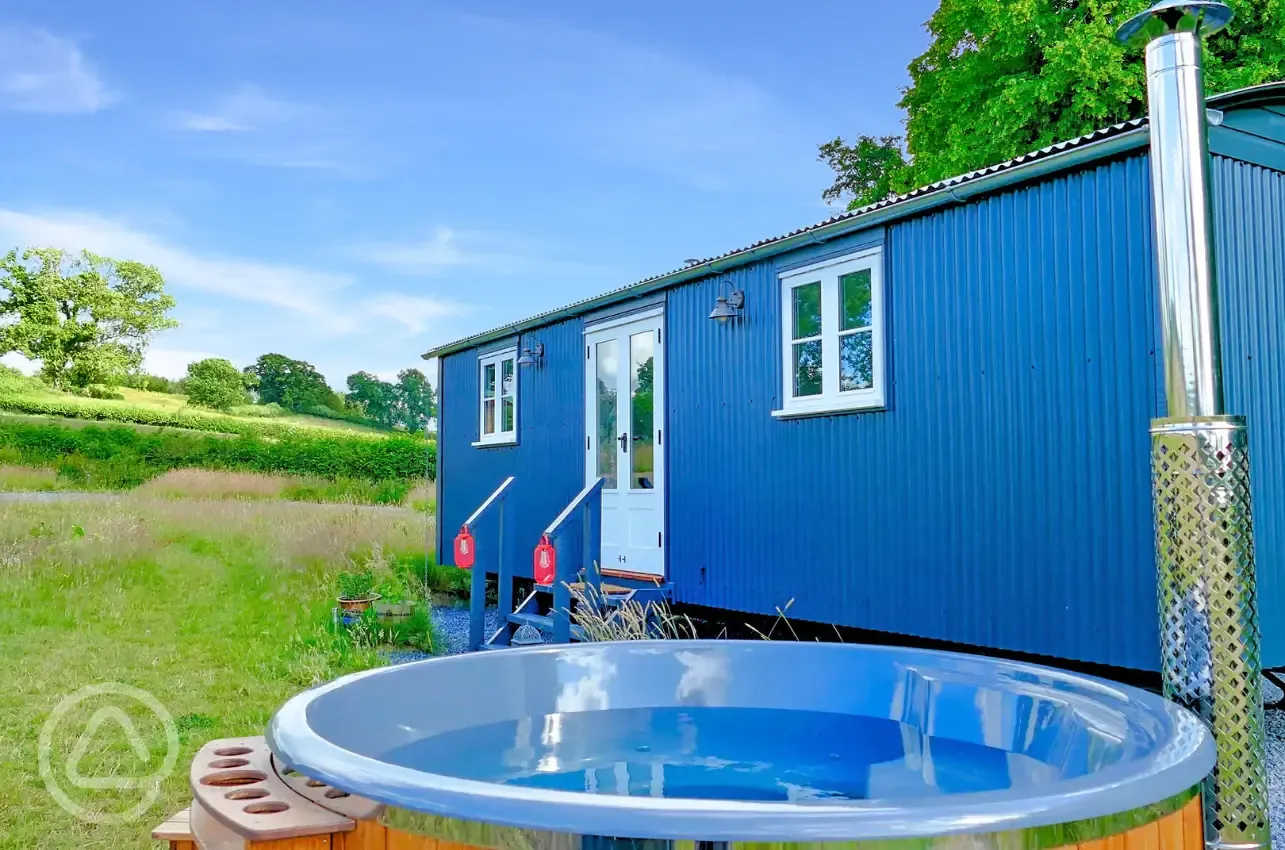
(721, 753)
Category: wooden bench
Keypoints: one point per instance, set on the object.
(177, 830)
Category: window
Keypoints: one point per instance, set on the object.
(832, 329)
(498, 411)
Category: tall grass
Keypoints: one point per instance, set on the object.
(217, 608)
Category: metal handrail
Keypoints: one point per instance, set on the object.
(477, 589)
(588, 506)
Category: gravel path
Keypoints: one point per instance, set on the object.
(452, 622)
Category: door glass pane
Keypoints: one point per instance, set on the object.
(506, 377)
(488, 416)
(506, 413)
(807, 368)
(807, 310)
(855, 289)
(488, 381)
(642, 417)
(856, 366)
(608, 368)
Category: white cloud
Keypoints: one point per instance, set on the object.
(14, 360)
(252, 126)
(248, 108)
(41, 72)
(171, 362)
(326, 300)
(448, 249)
(301, 290)
(413, 312)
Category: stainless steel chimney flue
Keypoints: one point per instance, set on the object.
(1209, 631)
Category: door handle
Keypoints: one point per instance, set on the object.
(624, 442)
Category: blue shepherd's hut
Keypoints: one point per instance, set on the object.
(927, 417)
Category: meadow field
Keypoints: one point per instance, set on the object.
(206, 590)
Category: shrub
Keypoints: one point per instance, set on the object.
(215, 383)
(73, 407)
(260, 411)
(103, 392)
(334, 455)
(356, 584)
(348, 414)
(13, 381)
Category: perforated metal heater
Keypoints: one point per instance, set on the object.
(1200, 458)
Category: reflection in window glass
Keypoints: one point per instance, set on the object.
(856, 367)
(642, 382)
(507, 379)
(807, 368)
(607, 369)
(488, 381)
(488, 416)
(855, 295)
(807, 310)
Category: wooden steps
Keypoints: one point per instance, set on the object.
(177, 830)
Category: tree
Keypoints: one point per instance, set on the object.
(375, 398)
(868, 171)
(418, 404)
(87, 319)
(216, 383)
(293, 384)
(1005, 77)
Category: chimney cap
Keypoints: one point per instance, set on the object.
(1168, 16)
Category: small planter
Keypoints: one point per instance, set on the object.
(394, 612)
(357, 606)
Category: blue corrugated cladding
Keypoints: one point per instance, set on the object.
(548, 460)
(1004, 498)
(1249, 207)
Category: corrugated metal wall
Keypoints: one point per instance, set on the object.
(1249, 208)
(1003, 500)
(549, 458)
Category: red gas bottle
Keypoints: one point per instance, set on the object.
(464, 548)
(546, 562)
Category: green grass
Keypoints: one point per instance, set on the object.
(22, 395)
(217, 608)
(174, 403)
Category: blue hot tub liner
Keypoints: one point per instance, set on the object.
(745, 741)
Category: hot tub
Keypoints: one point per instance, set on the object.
(728, 741)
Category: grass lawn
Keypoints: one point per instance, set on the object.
(216, 607)
(166, 401)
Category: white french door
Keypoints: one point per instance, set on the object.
(624, 443)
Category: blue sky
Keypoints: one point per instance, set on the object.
(351, 184)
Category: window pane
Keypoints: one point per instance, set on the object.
(507, 378)
(856, 366)
(855, 289)
(488, 416)
(608, 366)
(807, 310)
(807, 368)
(642, 417)
(506, 413)
(488, 381)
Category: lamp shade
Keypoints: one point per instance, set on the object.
(722, 310)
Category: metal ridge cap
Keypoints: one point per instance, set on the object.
(1059, 156)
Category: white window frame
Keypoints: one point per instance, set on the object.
(832, 400)
(498, 437)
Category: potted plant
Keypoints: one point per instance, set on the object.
(356, 591)
(395, 603)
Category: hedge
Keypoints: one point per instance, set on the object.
(330, 456)
(76, 407)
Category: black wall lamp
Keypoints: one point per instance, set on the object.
(727, 306)
(532, 355)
